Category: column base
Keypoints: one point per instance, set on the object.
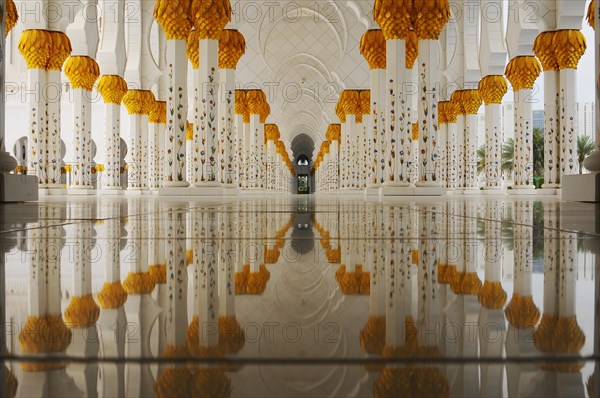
(253, 192)
(471, 191)
(208, 191)
(80, 191)
(493, 191)
(232, 191)
(372, 191)
(412, 191)
(137, 192)
(351, 191)
(111, 192)
(581, 188)
(547, 191)
(173, 191)
(18, 188)
(53, 191)
(521, 191)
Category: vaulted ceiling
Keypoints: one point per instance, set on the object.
(302, 54)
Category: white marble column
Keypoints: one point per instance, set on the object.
(522, 71)
(492, 89)
(570, 46)
(177, 30)
(546, 53)
(241, 114)
(232, 47)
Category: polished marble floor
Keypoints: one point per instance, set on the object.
(327, 296)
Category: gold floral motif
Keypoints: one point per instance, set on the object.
(492, 89)
(36, 47)
(193, 49)
(82, 72)
(545, 51)
(373, 48)
(12, 16)
(174, 16)
(522, 71)
(232, 46)
(570, 46)
(210, 17)
(112, 88)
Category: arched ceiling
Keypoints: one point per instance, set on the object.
(302, 144)
(302, 54)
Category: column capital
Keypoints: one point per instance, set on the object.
(570, 46)
(174, 17)
(430, 18)
(394, 17)
(61, 49)
(82, 72)
(543, 48)
(590, 16)
(139, 102)
(193, 48)
(471, 101)
(272, 132)
(412, 49)
(522, 71)
(232, 46)
(364, 97)
(350, 102)
(112, 295)
(492, 89)
(334, 132)
(112, 88)
(210, 17)
(255, 99)
(241, 105)
(492, 295)
(159, 113)
(373, 49)
(457, 101)
(35, 46)
(12, 16)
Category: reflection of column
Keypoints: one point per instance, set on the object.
(544, 50)
(82, 312)
(431, 19)
(522, 71)
(569, 45)
(44, 332)
(112, 322)
(209, 21)
(175, 18)
(232, 46)
(257, 103)
(492, 89)
(521, 313)
(492, 297)
(372, 47)
(394, 19)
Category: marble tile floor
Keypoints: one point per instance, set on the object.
(300, 296)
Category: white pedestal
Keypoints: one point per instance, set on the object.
(493, 191)
(208, 191)
(581, 188)
(546, 191)
(412, 191)
(371, 191)
(471, 191)
(173, 191)
(18, 188)
(81, 192)
(111, 192)
(521, 191)
(230, 191)
(254, 192)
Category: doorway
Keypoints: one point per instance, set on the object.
(303, 184)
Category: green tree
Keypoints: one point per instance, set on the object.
(480, 159)
(508, 156)
(585, 147)
(538, 153)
